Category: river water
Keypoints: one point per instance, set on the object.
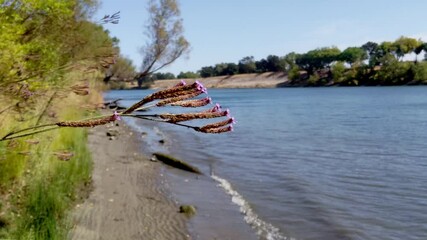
(308, 163)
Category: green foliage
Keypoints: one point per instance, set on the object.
(293, 73)
(353, 55)
(313, 79)
(338, 72)
(420, 72)
(207, 72)
(318, 58)
(392, 72)
(247, 65)
(188, 75)
(405, 45)
(52, 187)
(123, 69)
(45, 48)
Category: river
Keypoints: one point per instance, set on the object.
(310, 163)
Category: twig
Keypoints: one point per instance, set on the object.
(46, 107)
(150, 118)
(28, 134)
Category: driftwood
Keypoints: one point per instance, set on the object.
(176, 163)
(114, 104)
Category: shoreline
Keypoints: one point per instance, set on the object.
(127, 200)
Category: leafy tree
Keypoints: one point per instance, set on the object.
(392, 71)
(371, 49)
(261, 66)
(405, 45)
(220, 69)
(161, 76)
(294, 73)
(188, 75)
(420, 48)
(247, 65)
(207, 72)
(290, 60)
(420, 72)
(123, 69)
(353, 55)
(318, 58)
(380, 52)
(166, 41)
(274, 64)
(338, 72)
(231, 69)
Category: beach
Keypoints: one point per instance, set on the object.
(127, 200)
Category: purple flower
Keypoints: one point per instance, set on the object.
(230, 128)
(226, 112)
(116, 116)
(200, 87)
(181, 83)
(217, 108)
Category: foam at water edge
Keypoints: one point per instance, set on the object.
(264, 230)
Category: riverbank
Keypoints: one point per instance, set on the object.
(127, 201)
(250, 80)
(253, 80)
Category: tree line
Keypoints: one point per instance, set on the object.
(372, 63)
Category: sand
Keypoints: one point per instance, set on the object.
(127, 201)
(251, 80)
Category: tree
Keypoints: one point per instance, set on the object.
(318, 59)
(188, 75)
(123, 69)
(405, 45)
(290, 60)
(371, 48)
(353, 55)
(380, 52)
(420, 48)
(231, 69)
(166, 41)
(161, 76)
(338, 72)
(274, 64)
(207, 72)
(261, 66)
(247, 65)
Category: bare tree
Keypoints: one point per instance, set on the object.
(166, 41)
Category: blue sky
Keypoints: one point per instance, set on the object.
(228, 30)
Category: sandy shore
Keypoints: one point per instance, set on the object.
(252, 80)
(127, 201)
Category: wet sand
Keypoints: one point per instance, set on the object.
(127, 201)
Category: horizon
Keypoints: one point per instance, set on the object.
(277, 25)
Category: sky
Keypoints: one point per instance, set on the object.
(223, 31)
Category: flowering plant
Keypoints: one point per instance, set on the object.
(183, 95)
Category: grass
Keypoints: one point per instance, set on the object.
(54, 188)
(37, 189)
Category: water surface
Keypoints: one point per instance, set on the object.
(318, 163)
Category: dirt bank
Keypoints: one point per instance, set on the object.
(127, 201)
(262, 80)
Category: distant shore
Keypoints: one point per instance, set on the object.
(252, 80)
